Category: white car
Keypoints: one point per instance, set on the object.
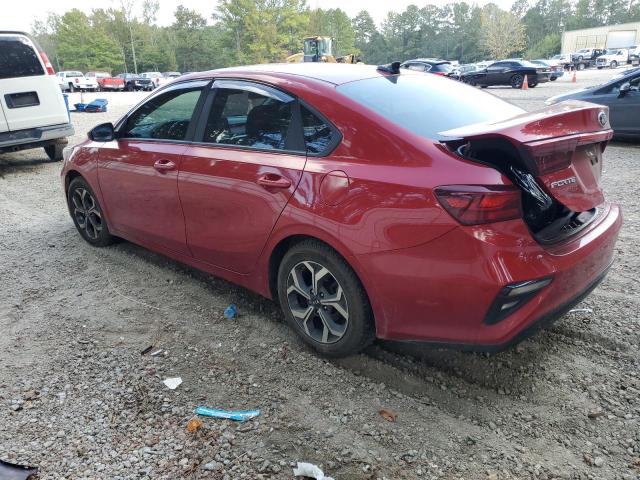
(73, 80)
(613, 57)
(156, 78)
(33, 112)
(561, 58)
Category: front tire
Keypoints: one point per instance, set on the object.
(87, 214)
(614, 64)
(324, 301)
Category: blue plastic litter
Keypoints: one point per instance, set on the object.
(231, 311)
(237, 415)
(98, 105)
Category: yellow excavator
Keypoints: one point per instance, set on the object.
(320, 49)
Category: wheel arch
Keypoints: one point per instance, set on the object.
(68, 178)
(287, 242)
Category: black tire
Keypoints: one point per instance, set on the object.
(614, 64)
(484, 86)
(87, 214)
(516, 81)
(553, 79)
(54, 152)
(580, 59)
(129, 87)
(351, 333)
(533, 85)
(581, 66)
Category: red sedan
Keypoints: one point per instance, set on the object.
(369, 202)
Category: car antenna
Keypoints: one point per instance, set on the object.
(393, 67)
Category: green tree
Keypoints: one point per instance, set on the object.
(546, 48)
(334, 23)
(503, 34)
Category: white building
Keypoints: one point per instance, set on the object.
(610, 36)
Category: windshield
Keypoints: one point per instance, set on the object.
(427, 104)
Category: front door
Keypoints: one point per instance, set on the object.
(236, 182)
(138, 172)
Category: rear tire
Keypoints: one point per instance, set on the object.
(54, 152)
(87, 214)
(323, 300)
(614, 64)
(553, 79)
(533, 85)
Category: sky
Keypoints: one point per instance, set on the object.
(19, 15)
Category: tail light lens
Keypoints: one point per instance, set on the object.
(477, 204)
(442, 74)
(47, 64)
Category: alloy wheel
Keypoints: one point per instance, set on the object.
(86, 212)
(317, 302)
(516, 81)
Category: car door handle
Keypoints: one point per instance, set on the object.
(272, 180)
(164, 165)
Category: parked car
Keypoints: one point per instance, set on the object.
(134, 82)
(622, 97)
(171, 75)
(33, 113)
(586, 54)
(508, 72)
(557, 70)
(75, 80)
(431, 65)
(562, 58)
(612, 58)
(458, 71)
(624, 73)
(106, 81)
(370, 202)
(156, 78)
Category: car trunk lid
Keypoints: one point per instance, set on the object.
(560, 145)
(554, 155)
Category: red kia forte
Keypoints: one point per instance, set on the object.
(369, 202)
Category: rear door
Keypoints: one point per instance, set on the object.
(29, 97)
(236, 182)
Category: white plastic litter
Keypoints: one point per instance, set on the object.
(309, 470)
(173, 383)
(581, 310)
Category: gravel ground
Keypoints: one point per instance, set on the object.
(79, 400)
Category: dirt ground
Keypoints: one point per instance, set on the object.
(78, 399)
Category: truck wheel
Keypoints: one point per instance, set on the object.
(581, 66)
(614, 64)
(553, 79)
(54, 152)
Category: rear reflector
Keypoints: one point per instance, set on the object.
(477, 204)
(513, 297)
(47, 64)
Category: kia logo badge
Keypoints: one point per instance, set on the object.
(602, 118)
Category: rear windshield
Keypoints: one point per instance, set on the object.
(18, 58)
(442, 67)
(427, 104)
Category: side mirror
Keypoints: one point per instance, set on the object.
(624, 89)
(102, 133)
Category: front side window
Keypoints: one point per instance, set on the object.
(166, 116)
(249, 117)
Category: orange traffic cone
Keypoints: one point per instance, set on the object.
(573, 79)
(525, 84)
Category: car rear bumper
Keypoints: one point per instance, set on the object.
(34, 137)
(442, 291)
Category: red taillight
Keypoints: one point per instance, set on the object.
(47, 64)
(442, 74)
(477, 204)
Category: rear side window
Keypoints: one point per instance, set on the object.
(18, 58)
(427, 104)
(249, 118)
(442, 67)
(165, 117)
(318, 135)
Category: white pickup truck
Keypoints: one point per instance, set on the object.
(32, 110)
(613, 57)
(73, 80)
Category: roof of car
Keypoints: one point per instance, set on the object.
(335, 73)
(428, 60)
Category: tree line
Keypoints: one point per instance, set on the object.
(127, 38)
